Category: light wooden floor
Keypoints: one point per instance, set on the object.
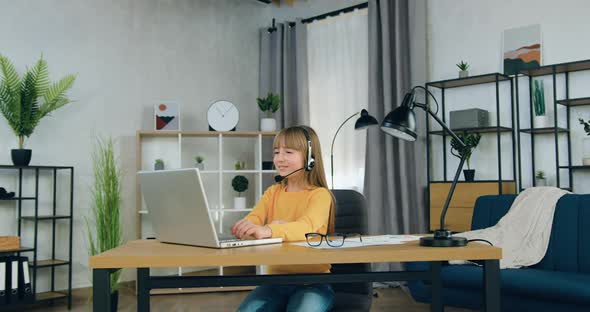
(389, 299)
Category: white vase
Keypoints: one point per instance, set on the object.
(542, 122)
(586, 152)
(540, 182)
(463, 74)
(239, 202)
(200, 166)
(268, 124)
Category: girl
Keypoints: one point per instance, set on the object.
(299, 204)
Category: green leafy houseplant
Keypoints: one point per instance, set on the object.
(586, 125)
(239, 184)
(270, 104)
(471, 141)
(540, 175)
(25, 101)
(240, 165)
(199, 159)
(104, 226)
(463, 65)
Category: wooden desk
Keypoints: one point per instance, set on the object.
(146, 254)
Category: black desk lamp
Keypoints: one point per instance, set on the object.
(364, 121)
(401, 123)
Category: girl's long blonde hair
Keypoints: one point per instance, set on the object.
(294, 138)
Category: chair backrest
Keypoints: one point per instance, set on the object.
(351, 217)
(568, 244)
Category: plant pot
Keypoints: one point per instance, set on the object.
(469, 175)
(464, 74)
(586, 152)
(268, 124)
(21, 157)
(239, 202)
(159, 166)
(200, 166)
(542, 122)
(114, 301)
(540, 182)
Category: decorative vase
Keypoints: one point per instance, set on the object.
(21, 157)
(239, 202)
(268, 124)
(540, 182)
(586, 152)
(159, 166)
(469, 175)
(541, 122)
(464, 74)
(200, 166)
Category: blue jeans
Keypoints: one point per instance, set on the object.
(304, 298)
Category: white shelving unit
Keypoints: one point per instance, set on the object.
(221, 150)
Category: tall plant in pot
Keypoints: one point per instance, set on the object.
(240, 185)
(104, 225)
(269, 105)
(541, 119)
(25, 101)
(471, 141)
(586, 146)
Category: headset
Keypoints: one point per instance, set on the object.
(310, 160)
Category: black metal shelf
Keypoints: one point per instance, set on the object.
(18, 198)
(469, 81)
(45, 217)
(575, 167)
(476, 181)
(491, 130)
(561, 68)
(575, 102)
(548, 130)
(49, 218)
(49, 263)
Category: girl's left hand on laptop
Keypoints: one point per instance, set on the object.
(245, 228)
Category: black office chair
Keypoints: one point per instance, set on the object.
(351, 217)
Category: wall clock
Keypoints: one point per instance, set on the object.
(223, 116)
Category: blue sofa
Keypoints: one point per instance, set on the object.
(560, 282)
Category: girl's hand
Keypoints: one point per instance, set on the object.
(240, 227)
(245, 228)
(258, 232)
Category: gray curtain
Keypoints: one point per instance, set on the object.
(283, 71)
(394, 171)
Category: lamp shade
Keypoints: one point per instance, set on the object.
(365, 120)
(401, 123)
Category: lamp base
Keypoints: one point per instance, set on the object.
(454, 241)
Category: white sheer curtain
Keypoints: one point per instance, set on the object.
(338, 87)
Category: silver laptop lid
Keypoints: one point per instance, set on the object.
(178, 207)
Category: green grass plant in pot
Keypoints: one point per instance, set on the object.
(104, 225)
(471, 141)
(25, 101)
(240, 185)
(269, 105)
(586, 142)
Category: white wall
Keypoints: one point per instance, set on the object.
(472, 31)
(127, 54)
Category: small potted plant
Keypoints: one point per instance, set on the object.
(586, 146)
(240, 165)
(240, 185)
(269, 105)
(463, 69)
(540, 179)
(159, 164)
(471, 141)
(24, 102)
(199, 162)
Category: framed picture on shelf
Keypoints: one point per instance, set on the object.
(522, 49)
(167, 116)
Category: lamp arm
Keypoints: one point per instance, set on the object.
(332, 147)
(440, 122)
(451, 191)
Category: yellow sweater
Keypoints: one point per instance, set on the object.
(305, 211)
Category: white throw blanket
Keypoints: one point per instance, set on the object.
(523, 233)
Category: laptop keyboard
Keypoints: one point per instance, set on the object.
(225, 238)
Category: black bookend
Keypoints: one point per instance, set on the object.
(3, 282)
(24, 282)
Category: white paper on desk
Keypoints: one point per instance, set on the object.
(367, 241)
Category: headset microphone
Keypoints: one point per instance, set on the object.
(279, 178)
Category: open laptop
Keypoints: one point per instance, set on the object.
(179, 210)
